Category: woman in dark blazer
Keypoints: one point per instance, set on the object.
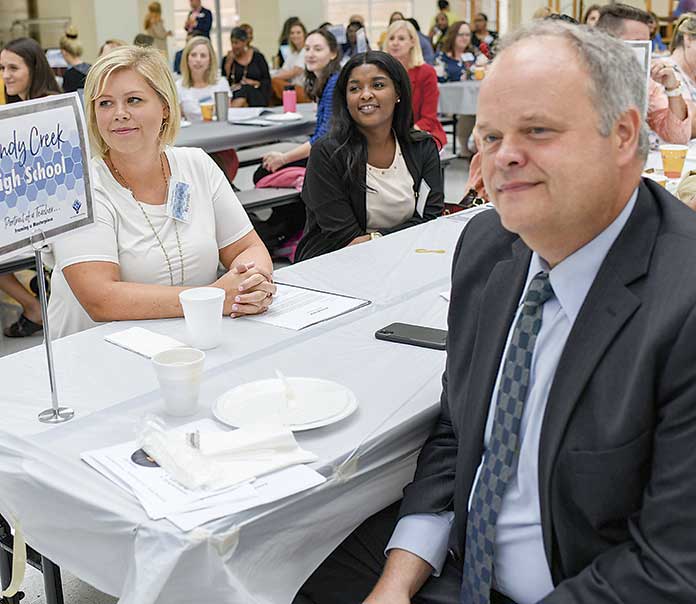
(246, 70)
(373, 174)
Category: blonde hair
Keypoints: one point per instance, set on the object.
(153, 9)
(415, 56)
(146, 62)
(211, 73)
(68, 42)
(686, 25)
(541, 13)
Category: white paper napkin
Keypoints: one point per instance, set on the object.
(143, 341)
(224, 459)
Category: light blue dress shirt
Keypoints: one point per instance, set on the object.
(521, 570)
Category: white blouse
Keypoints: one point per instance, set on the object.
(122, 235)
(292, 60)
(190, 98)
(390, 197)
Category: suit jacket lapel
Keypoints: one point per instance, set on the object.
(608, 306)
(498, 305)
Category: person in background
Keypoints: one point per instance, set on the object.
(250, 32)
(137, 259)
(358, 18)
(403, 45)
(395, 16)
(154, 26)
(247, 72)
(457, 58)
(591, 15)
(483, 39)
(443, 6)
(683, 60)
(144, 40)
(658, 46)
(438, 30)
(199, 80)
(668, 115)
(284, 41)
(426, 46)
(292, 71)
(27, 75)
(350, 48)
(199, 18)
(109, 45)
(177, 56)
(322, 64)
(455, 63)
(364, 178)
(75, 75)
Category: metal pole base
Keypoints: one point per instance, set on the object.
(56, 416)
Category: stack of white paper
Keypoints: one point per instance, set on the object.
(162, 497)
(297, 307)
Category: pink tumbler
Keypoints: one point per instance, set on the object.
(289, 100)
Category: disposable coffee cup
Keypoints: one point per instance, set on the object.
(660, 179)
(673, 157)
(203, 313)
(207, 111)
(222, 103)
(179, 372)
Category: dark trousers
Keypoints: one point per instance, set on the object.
(348, 575)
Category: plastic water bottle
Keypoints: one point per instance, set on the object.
(289, 99)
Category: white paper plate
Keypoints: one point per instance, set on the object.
(317, 403)
(283, 117)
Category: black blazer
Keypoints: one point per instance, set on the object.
(336, 215)
(617, 457)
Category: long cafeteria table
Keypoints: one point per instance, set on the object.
(100, 533)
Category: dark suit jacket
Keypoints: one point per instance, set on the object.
(204, 22)
(617, 458)
(336, 215)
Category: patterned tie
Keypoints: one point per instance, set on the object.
(500, 458)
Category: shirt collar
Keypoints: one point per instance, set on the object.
(572, 278)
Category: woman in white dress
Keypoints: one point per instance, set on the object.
(199, 79)
(143, 250)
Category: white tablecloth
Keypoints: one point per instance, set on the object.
(89, 526)
(459, 97)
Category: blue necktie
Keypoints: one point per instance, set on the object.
(500, 458)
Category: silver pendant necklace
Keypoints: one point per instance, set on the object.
(124, 182)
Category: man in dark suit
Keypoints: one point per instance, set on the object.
(199, 18)
(560, 470)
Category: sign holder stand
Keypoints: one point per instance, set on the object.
(55, 414)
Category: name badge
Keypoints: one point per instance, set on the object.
(179, 201)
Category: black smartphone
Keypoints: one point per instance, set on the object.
(416, 335)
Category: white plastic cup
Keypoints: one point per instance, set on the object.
(179, 372)
(203, 313)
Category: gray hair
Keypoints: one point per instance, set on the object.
(616, 79)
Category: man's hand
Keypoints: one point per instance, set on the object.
(404, 574)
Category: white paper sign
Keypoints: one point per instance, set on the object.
(45, 185)
(643, 51)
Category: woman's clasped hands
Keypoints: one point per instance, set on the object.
(249, 290)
